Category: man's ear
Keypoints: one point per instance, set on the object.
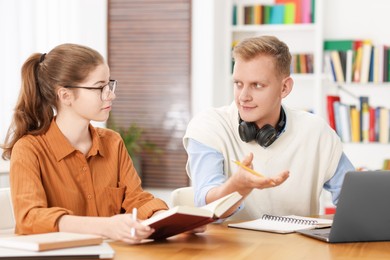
(64, 96)
(287, 86)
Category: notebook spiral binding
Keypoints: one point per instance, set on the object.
(289, 220)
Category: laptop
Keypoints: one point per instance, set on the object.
(363, 210)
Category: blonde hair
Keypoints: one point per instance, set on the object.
(65, 65)
(251, 48)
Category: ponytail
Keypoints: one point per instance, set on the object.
(32, 114)
(42, 75)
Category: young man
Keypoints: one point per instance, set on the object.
(296, 151)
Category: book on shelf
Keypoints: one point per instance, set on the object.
(258, 14)
(307, 16)
(337, 118)
(282, 224)
(366, 61)
(296, 7)
(361, 61)
(372, 123)
(289, 13)
(355, 124)
(49, 241)
(364, 118)
(384, 125)
(267, 14)
(387, 61)
(331, 113)
(345, 121)
(349, 66)
(339, 45)
(357, 65)
(277, 14)
(337, 65)
(180, 219)
(378, 63)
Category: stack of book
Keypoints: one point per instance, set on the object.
(282, 12)
(357, 61)
(363, 123)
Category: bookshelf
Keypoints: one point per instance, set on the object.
(346, 22)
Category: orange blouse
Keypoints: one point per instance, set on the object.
(50, 178)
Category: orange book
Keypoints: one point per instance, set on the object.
(355, 124)
(258, 13)
(303, 63)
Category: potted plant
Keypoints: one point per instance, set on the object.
(135, 143)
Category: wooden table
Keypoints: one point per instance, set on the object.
(221, 242)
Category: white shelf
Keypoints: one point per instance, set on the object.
(367, 155)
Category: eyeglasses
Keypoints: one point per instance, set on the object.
(106, 90)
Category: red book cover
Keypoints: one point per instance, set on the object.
(331, 115)
(371, 126)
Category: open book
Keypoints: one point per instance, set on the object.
(49, 241)
(283, 224)
(184, 218)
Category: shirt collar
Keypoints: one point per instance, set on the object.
(61, 146)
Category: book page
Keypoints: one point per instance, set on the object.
(220, 206)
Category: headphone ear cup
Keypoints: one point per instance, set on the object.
(247, 131)
(266, 136)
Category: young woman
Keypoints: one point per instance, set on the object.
(67, 175)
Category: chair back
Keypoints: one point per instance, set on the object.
(183, 196)
(7, 220)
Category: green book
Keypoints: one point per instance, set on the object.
(267, 14)
(234, 18)
(289, 13)
(388, 65)
(338, 45)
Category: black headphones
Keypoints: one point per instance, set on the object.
(264, 136)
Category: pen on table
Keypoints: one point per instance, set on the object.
(248, 169)
(134, 220)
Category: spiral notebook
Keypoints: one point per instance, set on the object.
(283, 224)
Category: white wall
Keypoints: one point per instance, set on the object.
(209, 61)
(29, 26)
(352, 19)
